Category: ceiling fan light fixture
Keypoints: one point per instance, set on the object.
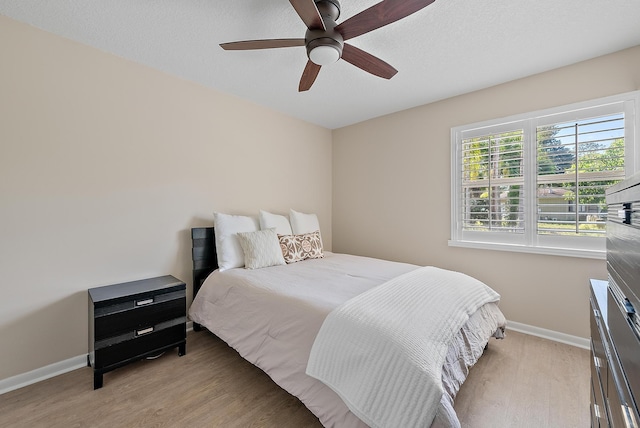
(324, 50)
(324, 55)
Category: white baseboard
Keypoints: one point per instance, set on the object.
(42, 373)
(556, 336)
(55, 369)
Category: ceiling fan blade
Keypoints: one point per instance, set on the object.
(309, 75)
(308, 11)
(262, 44)
(379, 15)
(367, 62)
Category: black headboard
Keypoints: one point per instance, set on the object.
(203, 254)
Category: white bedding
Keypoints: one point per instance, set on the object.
(383, 351)
(271, 317)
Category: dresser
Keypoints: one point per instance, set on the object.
(135, 320)
(612, 403)
(615, 314)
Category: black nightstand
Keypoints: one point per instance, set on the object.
(135, 320)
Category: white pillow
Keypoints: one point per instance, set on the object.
(303, 223)
(261, 249)
(228, 248)
(280, 222)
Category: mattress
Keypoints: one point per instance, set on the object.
(271, 317)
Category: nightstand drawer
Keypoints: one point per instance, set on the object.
(144, 311)
(138, 343)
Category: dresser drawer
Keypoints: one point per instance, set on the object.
(627, 344)
(142, 311)
(139, 343)
(599, 416)
(599, 354)
(595, 408)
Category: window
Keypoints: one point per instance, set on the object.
(536, 182)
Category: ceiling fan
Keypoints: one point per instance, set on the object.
(324, 38)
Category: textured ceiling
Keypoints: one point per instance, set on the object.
(449, 48)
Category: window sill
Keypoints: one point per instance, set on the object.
(550, 251)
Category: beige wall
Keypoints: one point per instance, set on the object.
(105, 165)
(391, 191)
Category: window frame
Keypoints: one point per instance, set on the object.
(530, 241)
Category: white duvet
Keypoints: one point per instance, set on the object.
(271, 316)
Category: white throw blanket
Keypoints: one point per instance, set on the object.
(382, 351)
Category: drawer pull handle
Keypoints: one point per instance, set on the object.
(144, 331)
(144, 302)
(596, 362)
(596, 410)
(629, 419)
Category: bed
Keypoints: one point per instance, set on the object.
(273, 316)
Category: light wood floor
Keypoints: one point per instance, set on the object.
(522, 381)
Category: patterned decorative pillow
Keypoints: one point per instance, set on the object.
(301, 247)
